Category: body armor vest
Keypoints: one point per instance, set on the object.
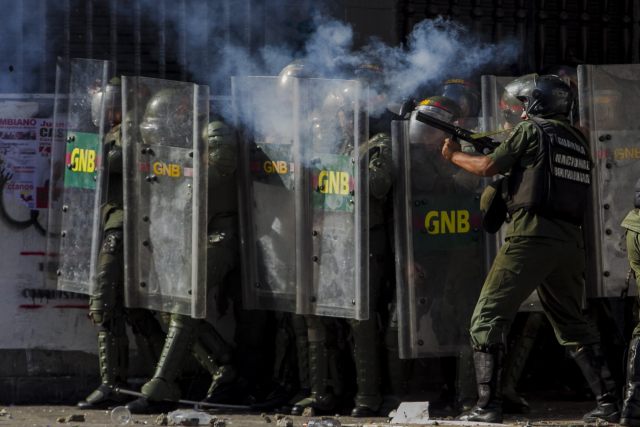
(557, 183)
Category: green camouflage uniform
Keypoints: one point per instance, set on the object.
(323, 369)
(106, 304)
(198, 336)
(542, 254)
(630, 415)
(632, 224)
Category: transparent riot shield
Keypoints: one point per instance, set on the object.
(333, 192)
(165, 195)
(304, 195)
(77, 180)
(440, 247)
(609, 117)
(500, 114)
(263, 108)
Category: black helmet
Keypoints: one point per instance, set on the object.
(546, 95)
(636, 198)
(465, 94)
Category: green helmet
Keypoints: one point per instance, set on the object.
(511, 107)
(220, 134)
(168, 119)
(332, 124)
(222, 142)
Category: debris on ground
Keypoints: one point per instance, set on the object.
(162, 420)
(73, 418)
(412, 413)
(308, 412)
(285, 422)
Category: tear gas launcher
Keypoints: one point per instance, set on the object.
(480, 141)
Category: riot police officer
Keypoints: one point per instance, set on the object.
(186, 334)
(544, 250)
(106, 304)
(334, 135)
(524, 339)
(630, 415)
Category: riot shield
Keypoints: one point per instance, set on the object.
(611, 123)
(440, 247)
(263, 109)
(304, 198)
(497, 116)
(333, 220)
(77, 180)
(165, 195)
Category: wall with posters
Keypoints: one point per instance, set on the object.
(46, 338)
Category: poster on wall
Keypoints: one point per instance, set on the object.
(35, 317)
(25, 148)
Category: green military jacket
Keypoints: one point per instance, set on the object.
(112, 210)
(380, 179)
(632, 224)
(521, 148)
(632, 221)
(222, 185)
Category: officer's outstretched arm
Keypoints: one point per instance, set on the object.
(477, 165)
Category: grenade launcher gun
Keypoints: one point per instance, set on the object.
(480, 142)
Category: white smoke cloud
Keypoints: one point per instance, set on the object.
(435, 50)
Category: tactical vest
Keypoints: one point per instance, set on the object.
(557, 184)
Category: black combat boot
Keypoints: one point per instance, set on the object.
(321, 399)
(488, 363)
(595, 370)
(113, 352)
(630, 415)
(367, 359)
(162, 386)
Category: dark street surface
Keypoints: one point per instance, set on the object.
(543, 413)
